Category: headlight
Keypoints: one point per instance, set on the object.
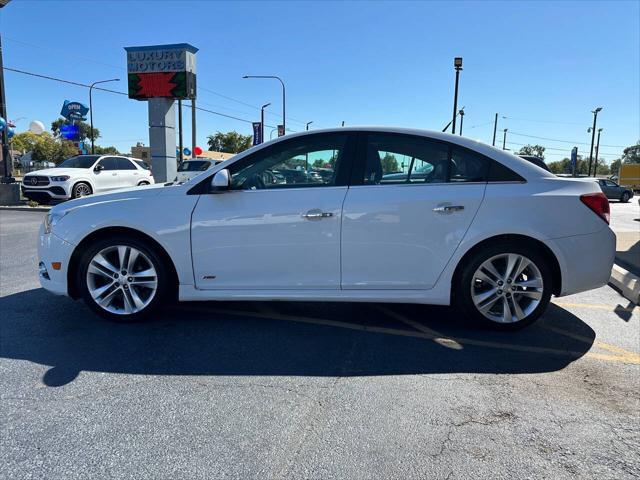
(51, 220)
(61, 178)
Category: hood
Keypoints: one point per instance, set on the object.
(120, 195)
(56, 172)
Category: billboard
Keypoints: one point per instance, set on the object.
(165, 71)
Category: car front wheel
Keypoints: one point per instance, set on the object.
(81, 189)
(122, 279)
(505, 286)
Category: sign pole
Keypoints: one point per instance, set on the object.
(193, 128)
(180, 155)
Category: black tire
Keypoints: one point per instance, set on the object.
(462, 292)
(162, 292)
(625, 197)
(79, 190)
(144, 182)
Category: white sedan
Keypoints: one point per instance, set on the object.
(83, 175)
(484, 230)
(192, 168)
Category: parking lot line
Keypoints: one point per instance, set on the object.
(627, 357)
(595, 306)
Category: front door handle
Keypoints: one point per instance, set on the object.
(316, 214)
(448, 208)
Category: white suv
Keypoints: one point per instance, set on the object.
(83, 175)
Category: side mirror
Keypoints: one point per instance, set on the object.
(98, 168)
(221, 181)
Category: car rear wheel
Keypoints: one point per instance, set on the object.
(505, 286)
(142, 183)
(122, 279)
(81, 189)
(625, 197)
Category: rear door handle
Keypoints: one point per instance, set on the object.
(448, 208)
(316, 214)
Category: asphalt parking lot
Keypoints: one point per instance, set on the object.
(280, 390)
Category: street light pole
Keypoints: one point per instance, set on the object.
(91, 106)
(262, 121)
(284, 103)
(593, 137)
(461, 120)
(504, 139)
(457, 63)
(495, 129)
(308, 123)
(595, 168)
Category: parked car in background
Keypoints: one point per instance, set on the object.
(630, 176)
(189, 169)
(613, 191)
(536, 161)
(470, 240)
(83, 175)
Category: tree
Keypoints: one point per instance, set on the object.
(537, 150)
(85, 129)
(614, 169)
(105, 150)
(564, 166)
(24, 142)
(631, 154)
(230, 142)
(45, 148)
(389, 163)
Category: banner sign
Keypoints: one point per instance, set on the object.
(257, 133)
(167, 71)
(74, 110)
(281, 130)
(574, 156)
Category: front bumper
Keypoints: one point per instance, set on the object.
(52, 249)
(585, 260)
(56, 192)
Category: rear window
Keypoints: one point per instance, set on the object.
(142, 164)
(194, 166)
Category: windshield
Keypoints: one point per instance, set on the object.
(80, 161)
(194, 166)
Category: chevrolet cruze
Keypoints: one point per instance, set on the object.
(402, 216)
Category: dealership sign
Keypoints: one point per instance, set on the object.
(74, 110)
(165, 71)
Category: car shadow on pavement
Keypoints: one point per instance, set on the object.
(279, 338)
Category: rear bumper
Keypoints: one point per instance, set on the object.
(585, 260)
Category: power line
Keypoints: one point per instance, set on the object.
(563, 141)
(541, 121)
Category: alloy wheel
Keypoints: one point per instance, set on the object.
(121, 279)
(507, 288)
(82, 190)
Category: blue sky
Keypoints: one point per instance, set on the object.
(367, 63)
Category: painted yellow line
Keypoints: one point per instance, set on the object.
(593, 306)
(635, 357)
(428, 336)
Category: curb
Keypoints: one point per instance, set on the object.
(18, 208)
(626, 282)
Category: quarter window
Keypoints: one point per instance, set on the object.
(311, 161)
(467, 166)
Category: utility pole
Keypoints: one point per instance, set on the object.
(495, 128)
(593, 137)
(595, 168)
(5, 153)
(504, 139)
(457, 63)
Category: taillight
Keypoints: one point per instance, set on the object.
(598, 203)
